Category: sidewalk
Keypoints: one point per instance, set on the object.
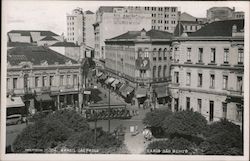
(135, 144)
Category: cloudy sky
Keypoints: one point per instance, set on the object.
(51, 15)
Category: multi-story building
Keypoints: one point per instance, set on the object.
(141, 58)
(69, 49)
(35, 37)
(223, 13)
(80, 27)
(208, 71)
(45, 74)
(130, 18)
(188, 24)
(113, 21)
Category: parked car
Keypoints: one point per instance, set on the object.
(14, 119)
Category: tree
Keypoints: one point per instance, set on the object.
(222, 138)
(65, 128)
(187, 124)
(155, 120)
(50, 131)
(179, 146)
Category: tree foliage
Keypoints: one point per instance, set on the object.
(184, 123)
(156, 117)
(223, 138)
(62, 129)
(172, 146)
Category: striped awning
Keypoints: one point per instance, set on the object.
(141, 92)
(99, 74)
(109, 80)
(127, 90)
(43, 97)
(115, 83)
(14, 102)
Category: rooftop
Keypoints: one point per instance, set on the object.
(65, 44)
(27, 32)
(108, 8)
(219, 28)
(36, 55)
(15, 44)
(49, 38)
(153, 34)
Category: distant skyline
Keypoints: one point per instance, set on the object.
(51, 15)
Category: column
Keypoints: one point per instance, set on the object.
(58, 101)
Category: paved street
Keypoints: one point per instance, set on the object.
(135, 144)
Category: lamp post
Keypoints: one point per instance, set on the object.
(109, 110)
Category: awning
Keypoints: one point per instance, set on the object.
(115, 83)
(118, 86)
(123, 87)
(43, 97)
(103, 76)
(161, 92)
(141, 92)
(127, 90)
(15, 102)
(235, 99)
(99, 74)
(109, 80)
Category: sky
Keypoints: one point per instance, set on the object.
(51, 15)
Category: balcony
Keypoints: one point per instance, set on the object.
(236, 92)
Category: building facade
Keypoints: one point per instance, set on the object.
(44, 74)
(68, 49)
(143, 60)
(223, 13)
(35, 37)
(113, 21)
(208, 71)
(80, 27)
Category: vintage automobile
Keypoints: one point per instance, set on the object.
(14, 119)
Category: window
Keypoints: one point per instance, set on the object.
(226, 54)
(188, 79)
(68, 80)
(173, 9)
(224, 110)
(199, 104)
(189, 54)
(165, 54)
(159, 54)
(8, 83)
(211, 110)
(154, 71)
(146, 53)
(36, 81)
(154, 54)
(199, 80)
(14, 83)
(225, 81)
(159, 71)
(61, 80)
(191, 27)
(239, 113)
(44, 81)
(164, 71)
(212, 77)
(200, 55)
(240, 56)
(213, 55)
(176, 77)
(239, 83)
(75, 81)
(51, 80)
(188, 103)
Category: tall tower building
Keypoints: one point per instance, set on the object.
(79, 27)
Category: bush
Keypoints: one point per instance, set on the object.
(186, 123)
(222, 138)
(64, 129)
(155, 120)
(179, 146)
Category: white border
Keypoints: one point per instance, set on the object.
(26, 157)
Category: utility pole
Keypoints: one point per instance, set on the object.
(109, 111)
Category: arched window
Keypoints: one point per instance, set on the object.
(159, 54)
(154, 54)
(146, 52)
(164, 70)
(159, 71)
(154, 71)
(139, 53)
(165, 54)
